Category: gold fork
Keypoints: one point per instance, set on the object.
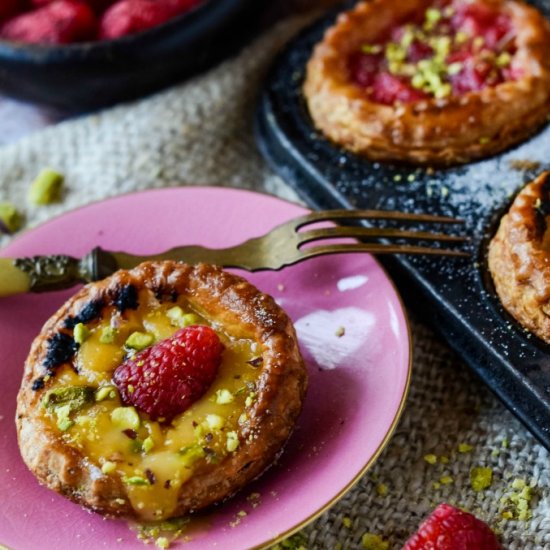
(282, 246)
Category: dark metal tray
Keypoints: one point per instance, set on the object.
(455, 295)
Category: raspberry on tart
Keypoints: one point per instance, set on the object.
(159, 391)
(431, 82)
(519, 258)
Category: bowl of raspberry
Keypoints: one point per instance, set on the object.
(83, 54)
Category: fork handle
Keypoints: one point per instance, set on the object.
(45, 273)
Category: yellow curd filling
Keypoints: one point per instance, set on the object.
(152, 458)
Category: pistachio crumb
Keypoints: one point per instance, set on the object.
(108, 467)
(464, 448)
(81, 333)
(481, 478)
(10, 218)
(370, 541)
(340, 331)
(139, 340)
(430, 458)
(148, 444)
(126, 418)
(444, 459)
(382, 489)
(108, 335)
(46, 188)
(232, 443)
(224, 397)
(446, 480)
(346, 522)
(162, 542)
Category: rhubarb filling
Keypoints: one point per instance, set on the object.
(451, 49)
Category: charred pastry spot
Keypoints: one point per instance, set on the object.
(89, 312)
(38, 383)
(126, 297)
(151, 478)
(165, 295)
(61, 348)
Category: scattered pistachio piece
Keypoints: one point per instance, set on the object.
(250, 398)
(81, 333)
(446, 480)
(105, 392)
(108, 335)
(46, 188)
(232, 441)
(370, 541)
(162, 542)
(430, 458)
(191, 454)
(224, 397)
(135, 480)
(10, 218)
(73, 397)
(139, 340)
(346, 522)
(464, 448)
(63, 420)
(126, 418)
(481, 478)
(214, 421)
(382, 489)
(108, 467)
(147, 444)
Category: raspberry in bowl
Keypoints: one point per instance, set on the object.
(160, 391)
(77, 55)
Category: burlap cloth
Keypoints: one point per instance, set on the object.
(201, 133)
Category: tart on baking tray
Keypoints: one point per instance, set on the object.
(159, 391)
(431, 82)
(519, 258)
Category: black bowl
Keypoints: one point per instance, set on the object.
(78, 77)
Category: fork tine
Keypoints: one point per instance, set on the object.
(375, 232)
(378, 248)
(343, 214)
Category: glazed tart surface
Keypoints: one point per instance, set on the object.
(431, 82)
(519, 258)
(98, 437)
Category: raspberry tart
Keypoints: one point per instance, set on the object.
(429, 82)
(519, 258)
(160, 391)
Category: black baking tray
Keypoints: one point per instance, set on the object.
(455, 295)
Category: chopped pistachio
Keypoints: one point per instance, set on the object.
(10, 218)
(430, 458)
(73, 397)
(433, 16)
(504, 59)
(214, 421)
(464, 448)
(382, 489)
(371, 49)
(224, 397)
(46, 188)
(136, 480)
(105, 392)
(232, 441)
(444, 459)
(162, 542)
(148, 444)
(518, 483)
(446, 480)
(370, 541)
(126, 418)
(454, 68)
(481, 478)
(139, 340)
(63, 420)
(108, 335)
(108, 467)
(250, 398)
(346, 522)
(191, 454)
(81, 333)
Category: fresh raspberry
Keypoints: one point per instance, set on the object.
(60, 22)
(167, 378)
(97, 5)
(9, 8)
(132, 16)
(448, 528)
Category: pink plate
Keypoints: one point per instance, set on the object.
(358, 380)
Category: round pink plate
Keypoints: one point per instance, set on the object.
(353, 334)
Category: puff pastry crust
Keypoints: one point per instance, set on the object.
(519, 258)
(448, 130)
(234, 307)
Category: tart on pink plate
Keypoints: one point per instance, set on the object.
(431, 82)
(159, 391)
